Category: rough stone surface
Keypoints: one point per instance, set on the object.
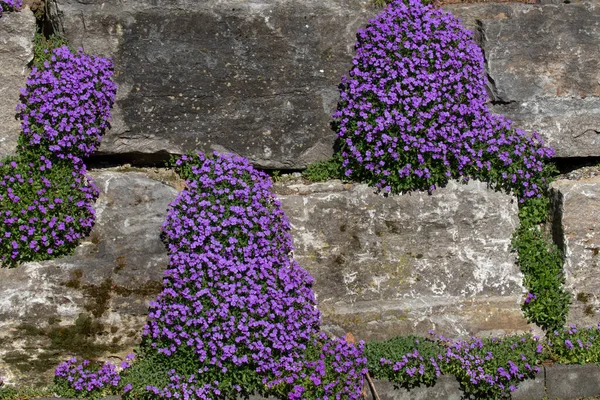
(16, 50)
(543, 64)
(566, 382)
(410, 263)
(577, 228)
(445, 388)
(94, 303)
(260, 78)
(531, 389)
(255, 78)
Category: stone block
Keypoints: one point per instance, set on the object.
(577, 228)
(566, 382)
(16, 51)
(405, 264)
(257, 79)
(542, 63)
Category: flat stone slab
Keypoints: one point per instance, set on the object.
(16, 50)
(257, 79)
(542, 62)
(577, 227)
(405, 264)
(566, 382)
(94, 303)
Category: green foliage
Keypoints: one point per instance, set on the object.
(151, 368)
(323, 170)
(574, 345)
(42, 48)
(541, 262)
(26, 392)
(403, 348)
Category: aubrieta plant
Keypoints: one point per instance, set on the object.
(66, 104)
(237, 314)
(491, 368)
(46, 207)
(573, 345)
(88, 379)
(487, 368)
(329, 369)
(408, 361)
(46, 200)
(10, 5)
(541, 261)
(412, 113)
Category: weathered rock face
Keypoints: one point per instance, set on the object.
(403, 264)
(577, 228)
(94, 303)
(16, 50)
(257, 79)
(543, 63)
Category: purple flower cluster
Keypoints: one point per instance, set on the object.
(492, 366)
(233, 294)
(66, 104)
(46, 207)
(576, 345)
(89, 380)
(412, 113)
(10, 5)
(415, 368)
(46, 200)
(485, 368)
(330, 369)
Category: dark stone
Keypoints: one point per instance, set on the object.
(259, 80)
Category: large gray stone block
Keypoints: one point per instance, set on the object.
(94, 303)
(255, 78)
(16, 50)
(406, 264)
(543, 67)
(577, 227)
(567, 382)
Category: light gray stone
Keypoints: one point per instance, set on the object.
(542, 62)
(406, 264)
(16, 50)
(531, 389)
(566, 382)
(577, 228)
(94, 303)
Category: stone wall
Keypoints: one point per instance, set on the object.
(260, 79)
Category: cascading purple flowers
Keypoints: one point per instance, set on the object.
(233, 294)
(66, 104)
(46, 199)
(412, 113)
(45, 208)
(10, 5)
